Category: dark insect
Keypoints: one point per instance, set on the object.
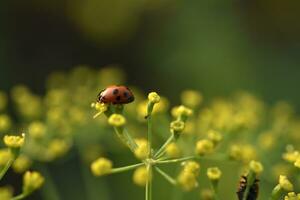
(253, 192)
(115, 95)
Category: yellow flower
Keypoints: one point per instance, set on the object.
(117, 120)
(291, 156)
(58, 147)
(235, 152)
(204, 147)
(256, 167)
(187, 180)
(160, 107)
(6, 193)
(207, 194)
(21, 164)
(101, 166)
(214, 173)
(292, 196)
(297, 163)
(248, 153)
(172, 150)
(141, 152)
(177, 126)
(14, 141)
(5, 156)
(153, 97)
(141, 176)
(5, 123)
(191, 167)
(181, 111)
(214, 136)
(37, 129)
(285, 184)
(191, 98)
(32, 181)
(100, 108)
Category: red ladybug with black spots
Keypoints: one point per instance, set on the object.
(115, 94)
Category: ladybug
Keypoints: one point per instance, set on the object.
(115, 94)
(253, 192)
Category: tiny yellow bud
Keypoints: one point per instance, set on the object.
(214, 173)
(37, 129)
(204, 147)
(117, 120)
(256, 167)
(14, 141)
(177, 126)
(285, 184)
(100, 108)
(141, 176)
(172, 150)
(101, 166)
(21, 164)
(191, 167)
(5, 123)
(6, 193)
(153, 97)
(191, 98)
(214, 136)
(292, 196)
(32, 181)
(141, 152)
(5, 156)
(187, 180)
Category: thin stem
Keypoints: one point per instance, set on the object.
(126, 138)
(250, 181)
(166, 176)
(20, 196)
(175, 160)
(6, 167)
(214, 186)
(126, 168)
(149, 135)
(162, 149)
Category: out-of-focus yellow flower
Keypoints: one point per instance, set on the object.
(6, 193)
(177, 126)
(117, 120)
(190, 128)
(214, 136)
(153, 97)
(249, 153)
(141, 152)
(179, 111)
(191, 167)
(32, 181)
(5, 123)
(207, 194)
(5, 156)
(291, 156)
(160, 107)
(204, 147)
(297, 163)
(37, 129)
(187, 181)
(214, 173)
(172, 150)
(191, 98)
(21, 164)
(280, 169)
(292, 196)
(267, 140)
(235, 152)
(285, 184)
(14, 141)
(77, 115)
(101, 166)
(256, 167)
(141, 176)
(58, 147)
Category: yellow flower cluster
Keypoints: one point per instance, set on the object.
(32, 181)
(101, 166)
(14, 141)
(292, 196)
(187, 178)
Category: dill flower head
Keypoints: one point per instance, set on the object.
(214, 136)
(14, 141)
(21, 164)
(285, 184)
(101, 166)
(187, 180)
(177, 126)
(204, 147)
(117, 120)
(292, 196)
(141, 176)
(191, 98)
(6, 193)
(37, 129)
(256, 167)
(153, 97)
(172, 150)
(191, 167)
(5, 123)
(5, 156)
(181, 111)
(214, 173)
(32, 181)
(141, 152)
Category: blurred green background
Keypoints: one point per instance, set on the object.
(215, 46)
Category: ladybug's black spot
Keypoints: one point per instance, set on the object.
(131, 98)
(125, 94)
(115, 91)
(118, 98)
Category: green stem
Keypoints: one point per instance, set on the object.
(6, 167)
(162, 149)
(166, 176)
(150, 156)
(214, 186)
(127, 168)
(126, 138)
(20, 196)
(250, 180)
(175, 160)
